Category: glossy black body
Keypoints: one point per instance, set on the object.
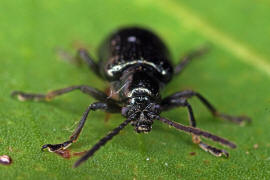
(137, 64)
(136, 58)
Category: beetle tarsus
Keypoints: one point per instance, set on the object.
(56, 147)
(213, 150)
(241, 120)
(22, 96)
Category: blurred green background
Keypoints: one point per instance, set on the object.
(235, 76)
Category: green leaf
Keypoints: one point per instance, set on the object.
(234, 76)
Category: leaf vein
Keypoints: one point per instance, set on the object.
(196, 23)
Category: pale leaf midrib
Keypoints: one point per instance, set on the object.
(190, 19)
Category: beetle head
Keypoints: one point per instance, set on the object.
(142, 112)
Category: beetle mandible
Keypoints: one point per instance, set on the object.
(137, 64)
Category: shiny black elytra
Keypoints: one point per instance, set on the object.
(137, 65)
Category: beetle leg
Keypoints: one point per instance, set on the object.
(195, 138)
(196, 133)
(214, 151)
(102, 142)
(172, 101)
(52, 94)
(165, 105)
(85, 56)
(190, 56)
(67, 56)
(82, 54)
(76, 133)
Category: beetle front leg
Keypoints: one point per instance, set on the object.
(196, 133)
(173, 102)
(95, 106)
(170, 102)
(213, 150)
(102, 142)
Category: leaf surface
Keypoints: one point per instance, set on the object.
(234, 76)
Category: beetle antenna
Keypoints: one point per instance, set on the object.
(101, 142)
(198, 132)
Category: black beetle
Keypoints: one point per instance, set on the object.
(137, 65)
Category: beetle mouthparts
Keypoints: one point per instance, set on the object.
(143, 128)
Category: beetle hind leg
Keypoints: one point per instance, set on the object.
(82, 55)
(85, 56)
(185, 60)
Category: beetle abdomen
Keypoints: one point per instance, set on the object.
(134, 47)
